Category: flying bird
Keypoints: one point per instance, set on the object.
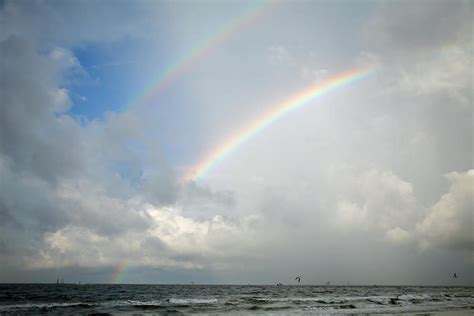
(455, 275)
(298, 278)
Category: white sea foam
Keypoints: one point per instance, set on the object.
(131, 302)
(415, 297)
(379, 299)
(326, 300)
(190, 301)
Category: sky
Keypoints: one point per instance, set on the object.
(110, 110)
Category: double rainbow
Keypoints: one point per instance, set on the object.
(295, 102)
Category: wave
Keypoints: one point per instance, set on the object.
(318, 299)
(192, 301)
(325, 300)
(231, 299)
(162, 303)
(110, 304)
(377, 299)
(415, 297)
(45, 306)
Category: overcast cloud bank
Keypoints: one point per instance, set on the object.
(372, 185)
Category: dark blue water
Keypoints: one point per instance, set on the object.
(101, 299)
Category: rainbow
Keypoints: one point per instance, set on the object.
(119, 273)
(293, 103)
(186, 62)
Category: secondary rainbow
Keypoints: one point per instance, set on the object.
(295, 102)
(186, 62)
(119, 273)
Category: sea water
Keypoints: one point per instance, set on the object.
(103, 299)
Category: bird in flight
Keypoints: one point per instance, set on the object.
(298, 278)
(455, 275)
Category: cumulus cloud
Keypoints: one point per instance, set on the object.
(39, 146)
(425, 84)
(76, 193)
(170, 240)
(449, 223)
(381, 201)
(54, 170)
(398, 235)
(33, 133)
(387, 204)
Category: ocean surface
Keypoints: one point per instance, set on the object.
(102, 299)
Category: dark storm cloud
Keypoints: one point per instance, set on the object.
(405, 30)
(56, 22)
(34, 137)
(37, 147)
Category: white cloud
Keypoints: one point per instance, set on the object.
(64, 58)
(317, 75)
(449, 223)
(381, 201)
(398, 235)
(171, 240)
(444, 71)
(60, 100)
(279, 55)
(351, 215)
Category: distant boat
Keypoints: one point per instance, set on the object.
(279, 284)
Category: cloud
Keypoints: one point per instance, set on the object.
(354, 175)
(74, 193)
(54, 23)
(57, 172)
(420, 56)
(422, 53)
(27, 211)
(33, 133)
(449, 222)
(39, 146)
(381, 201)
(398, 235)
(404, 31)
(170, 240)
(278, 55)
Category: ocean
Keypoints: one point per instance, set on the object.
(128, 299)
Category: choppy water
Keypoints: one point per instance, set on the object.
(68, 299)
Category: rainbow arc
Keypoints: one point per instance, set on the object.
(301, 99)
(185, 64)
